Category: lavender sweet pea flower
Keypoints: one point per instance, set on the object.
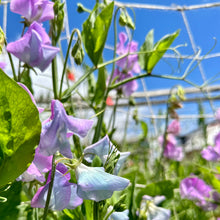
(32, 97)
(129, 63)
(32, 173)
(127, 88)
(63, 192)
(149, 210)
(103, 148)
(55, 131)
(94, 183)
(41, 164)
(34, 47)
(33, 10)
(197, 190)
(212, 153)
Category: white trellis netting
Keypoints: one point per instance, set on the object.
(149, 101)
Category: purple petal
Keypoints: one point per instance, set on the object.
(62, 196)
(32, 173)
(197, 190)
(210, 154)
(33, 10)
(174, 127)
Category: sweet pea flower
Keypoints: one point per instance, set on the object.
(32, 97)
(217, 114)
(119, 215)
(212, 153)
(128, 88)
(174, 127)
(103, 148)
(63, 192)
(93, 183)
(197, 190)
(171, 151)
(41, 164)
(149, 210)
(34, 48)
(33, 10)
(55, 131)
(129, 63)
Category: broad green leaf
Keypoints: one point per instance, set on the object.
(95, 31)
(164, 188)
(159, 49)
(20, 129)
(147, 46)
(8, 209)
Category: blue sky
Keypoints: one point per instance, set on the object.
(204, 23)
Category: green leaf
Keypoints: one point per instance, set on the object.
(95, 31)
(20, 129)
(150, 59)
(8, 209)
(148, 46)
(144, 129)
(159, 49)
(164, 188)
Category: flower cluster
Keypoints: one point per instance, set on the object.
(93, 183)
(197, 190)
(34, 48)
(126, 66)
(171, 151)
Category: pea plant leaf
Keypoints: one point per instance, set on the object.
(20, 129)
(95, 31)
(149, 60)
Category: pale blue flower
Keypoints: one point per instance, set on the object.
(93, 183)
(103, 148)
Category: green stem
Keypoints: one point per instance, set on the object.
(106, 218)
(12, 64)
(66, 59)
(96, 211)
(50, 188)
(55, 78)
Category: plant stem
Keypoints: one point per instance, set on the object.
(12, 64)
(66, 59)
(50, 188)
(106, 218)
(96, 211)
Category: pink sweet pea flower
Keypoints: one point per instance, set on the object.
(174, 127)
(197, 190)
(212, 153)
(34, 48)
(33, 10)
(171, 151)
